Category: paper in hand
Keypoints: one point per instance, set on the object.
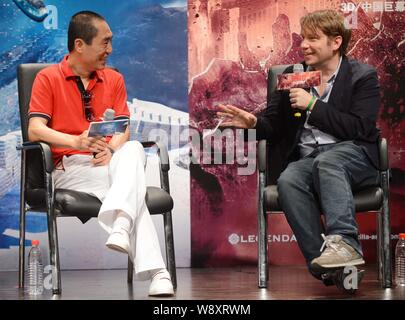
(308, 79)
(107, 128)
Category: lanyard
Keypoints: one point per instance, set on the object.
(80, 85)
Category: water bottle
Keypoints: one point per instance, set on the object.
(400, 261)
(35, 284)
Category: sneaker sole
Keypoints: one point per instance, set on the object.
(115, 243)
(329, 267)
(163, 291)
(116, 248)
(162, 294)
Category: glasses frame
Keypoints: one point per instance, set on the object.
(87, 96)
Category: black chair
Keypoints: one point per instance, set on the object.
(37, 193)
(373, 199)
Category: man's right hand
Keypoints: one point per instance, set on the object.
(93, 144)
(235, 117)
(39, 131)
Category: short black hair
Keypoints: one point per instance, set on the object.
(81, 27)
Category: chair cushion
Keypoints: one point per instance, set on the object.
(75, 203)
(369, 199)
(35, 198)
(271, 198)
(158, 200)
(85, 206)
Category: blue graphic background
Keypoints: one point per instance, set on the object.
(149, 49)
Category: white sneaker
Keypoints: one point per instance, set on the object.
(161, 284)
(118, 241)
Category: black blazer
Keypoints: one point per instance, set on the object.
(350, 114)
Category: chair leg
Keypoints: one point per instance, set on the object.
(379, 246)
(21, 249)
(54, 254)
(386, 250)
(386, 234)
(53, 236)
(262, 266)
(130, 272)
(169, 241)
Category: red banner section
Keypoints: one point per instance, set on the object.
(231, 46)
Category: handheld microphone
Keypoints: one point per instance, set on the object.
(108, 115)
(296, 69)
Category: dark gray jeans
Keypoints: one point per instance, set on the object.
(323, 182)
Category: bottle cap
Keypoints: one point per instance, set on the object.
(36, 242)
(401, 236)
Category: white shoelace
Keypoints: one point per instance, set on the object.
(329, 242)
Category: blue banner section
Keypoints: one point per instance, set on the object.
(149, 49)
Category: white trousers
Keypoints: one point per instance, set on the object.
(120, 186)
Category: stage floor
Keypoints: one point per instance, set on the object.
(239, 283)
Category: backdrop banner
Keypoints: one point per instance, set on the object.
(231, 46)
(147, 35)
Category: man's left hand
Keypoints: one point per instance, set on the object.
(300, 98)
(102, 158)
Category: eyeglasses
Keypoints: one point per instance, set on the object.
(88, 110)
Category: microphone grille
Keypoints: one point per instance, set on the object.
(298, 68)
(109, 115)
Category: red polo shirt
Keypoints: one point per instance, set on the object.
(57, 98)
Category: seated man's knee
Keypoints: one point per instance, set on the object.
(286, 180)
(134, 149)
(326, 162)
(133, 145)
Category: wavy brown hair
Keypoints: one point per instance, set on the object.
(330, 22)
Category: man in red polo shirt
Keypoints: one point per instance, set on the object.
(65, 98)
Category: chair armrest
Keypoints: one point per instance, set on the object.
(164, 164)
(383, 154)
(262, 155)
(162, 153)
(45, 152)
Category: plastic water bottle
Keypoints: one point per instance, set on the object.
(400, 261)
(35, 284)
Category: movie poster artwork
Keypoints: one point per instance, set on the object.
(232, 44)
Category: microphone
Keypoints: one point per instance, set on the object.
(296, 69)
(108, 115)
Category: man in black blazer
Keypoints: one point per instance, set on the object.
(329, 149)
